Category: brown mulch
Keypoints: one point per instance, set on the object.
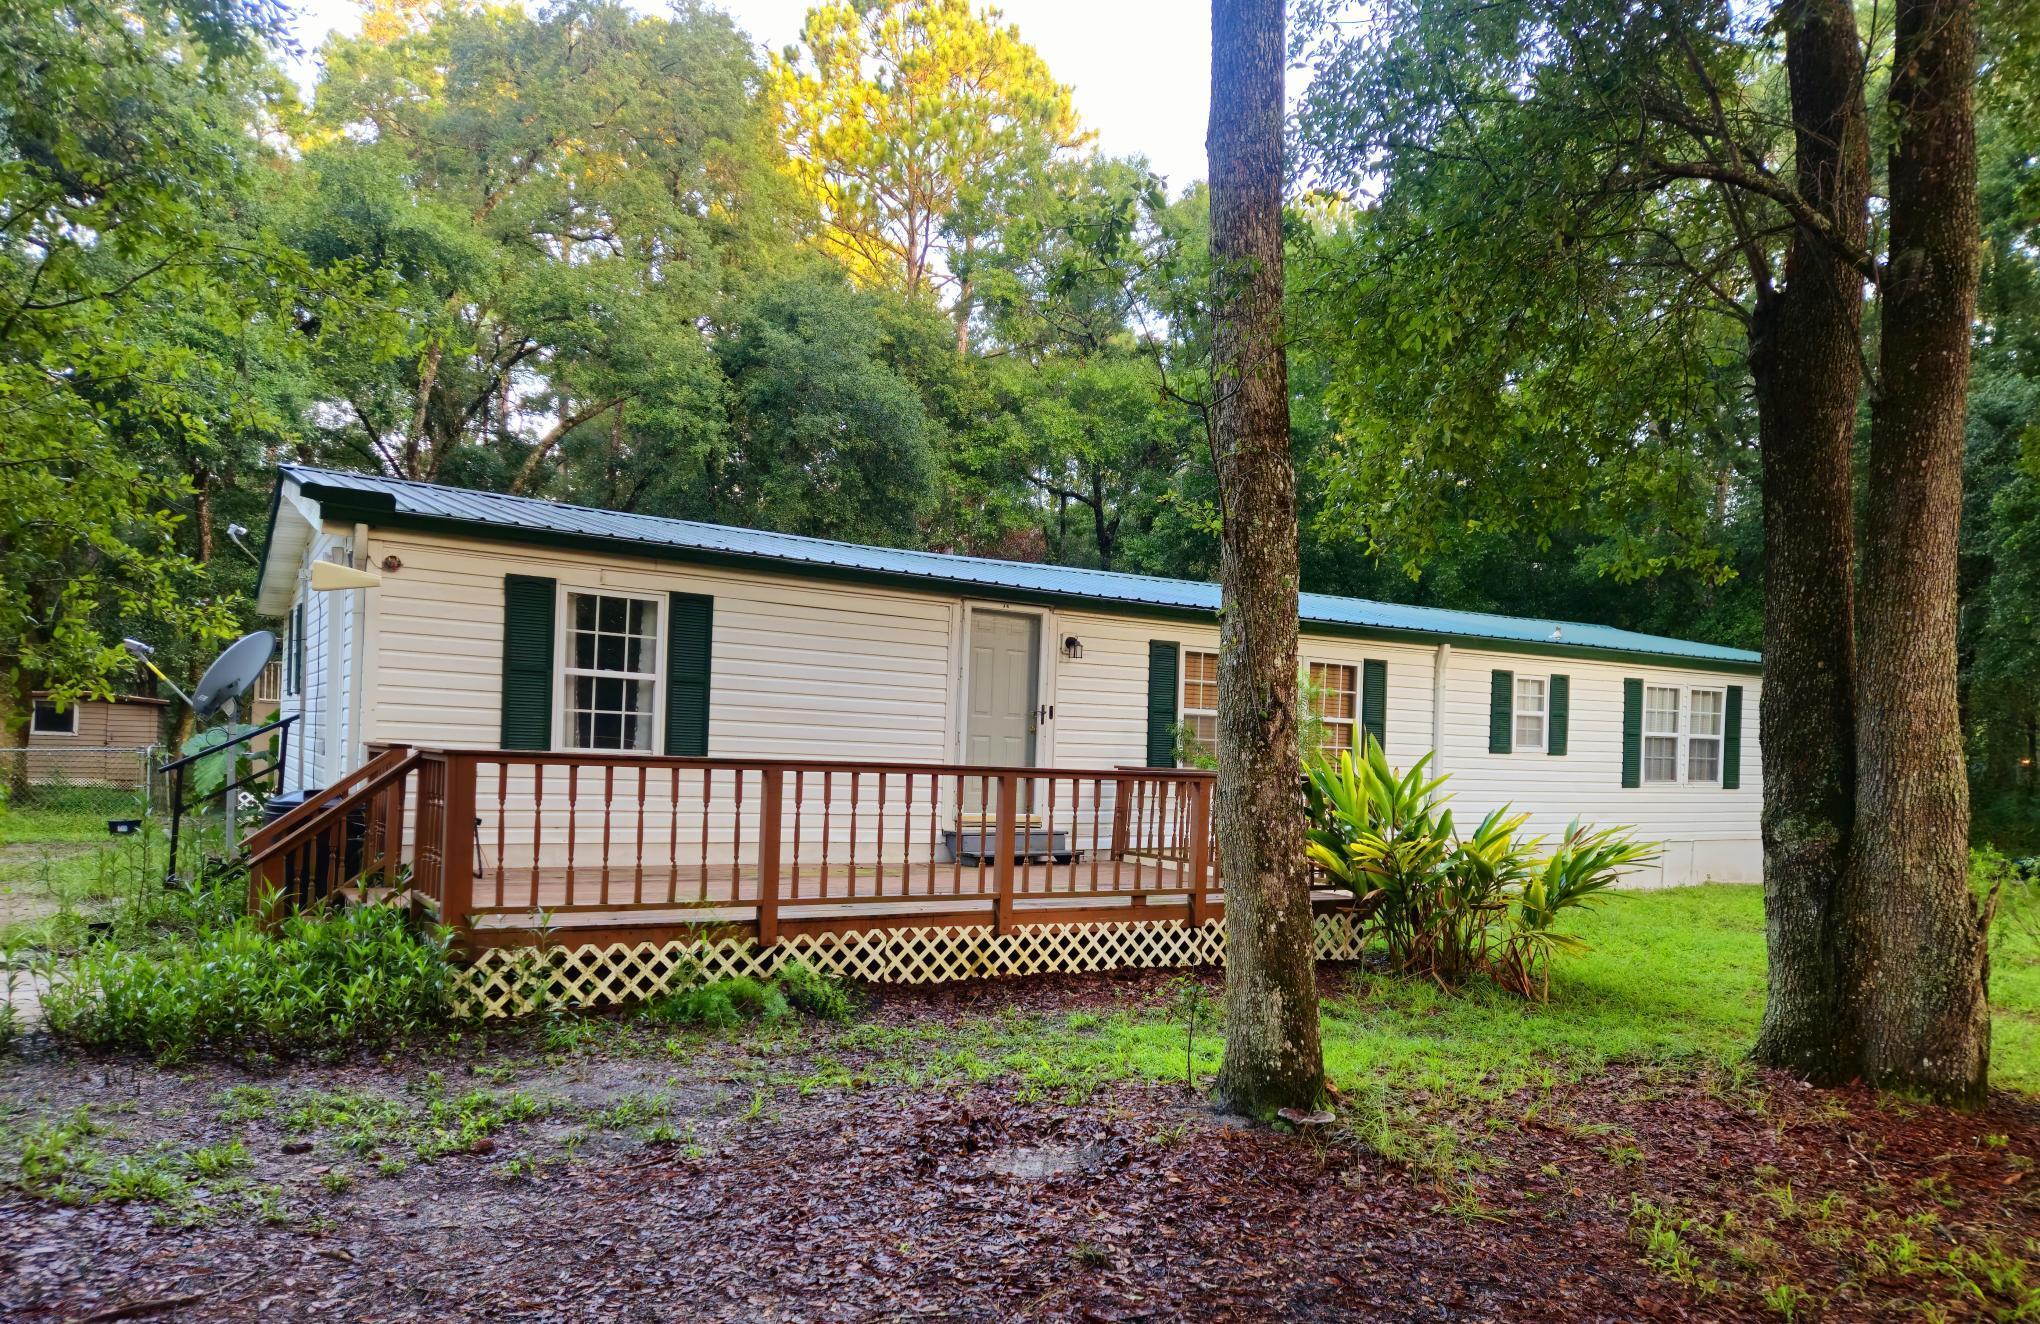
(1139, 1204)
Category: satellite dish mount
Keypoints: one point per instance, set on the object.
(231, 676)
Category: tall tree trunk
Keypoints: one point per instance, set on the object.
(17, 708)
(1805, 365)
(1916, 947)
(202, 499)
(966, 299)
(1272, 1055)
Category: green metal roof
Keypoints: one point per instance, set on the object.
(390, 502)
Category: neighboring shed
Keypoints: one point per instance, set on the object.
(92, 742)
(125, 721)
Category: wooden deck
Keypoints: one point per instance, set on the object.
(514, 847)
(917, 892)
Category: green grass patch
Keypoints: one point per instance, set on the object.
(87, 885)
(66, 813)
(316, 984)
(1672, 978)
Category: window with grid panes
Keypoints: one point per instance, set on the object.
(1532, 710)
(1705, 711)
(611, 671)
(1660, 733)
(1335, 694)
(1200, 699)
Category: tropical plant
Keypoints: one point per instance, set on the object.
(1449, 906)
(1586, 863)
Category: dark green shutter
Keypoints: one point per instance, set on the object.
(528, 603)
(1731, 740)
(1164, 661)
(297, 649)
(1374, 700)
(1632, 733)
(1501, 720)
(1561, 712)
(689, 635)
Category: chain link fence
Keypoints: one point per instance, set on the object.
(92, 783)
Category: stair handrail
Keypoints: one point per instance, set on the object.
(376, 781)
(305, 809)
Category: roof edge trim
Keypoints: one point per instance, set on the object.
(378, 509)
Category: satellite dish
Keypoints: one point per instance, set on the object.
(233, 673)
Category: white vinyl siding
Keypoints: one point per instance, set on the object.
(798, 669)
(1101, 698)
(819, 669)
(319, 738)
(1706, 832)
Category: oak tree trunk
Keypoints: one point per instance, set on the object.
(1805, 366)
(1916, 947)
(17, 709)
(1272, 1055)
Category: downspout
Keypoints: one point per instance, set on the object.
(357, 624)
(1441, 664)
(333, 751)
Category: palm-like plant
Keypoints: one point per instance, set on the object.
(1385, 837)
(1586, 863)
(1437, 898)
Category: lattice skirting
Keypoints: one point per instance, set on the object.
(512, 981)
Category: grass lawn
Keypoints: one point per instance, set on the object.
(1672, 978)
(1027, 1149)
(61, 871)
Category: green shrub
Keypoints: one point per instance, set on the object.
(1449, 906)
(813, 992)
(2009, 894)
(318, 983)
(723, 1005)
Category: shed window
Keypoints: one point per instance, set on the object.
(1334, 696)
(611, 671)
(1200, 700)
(48, 720)
(1532, 710)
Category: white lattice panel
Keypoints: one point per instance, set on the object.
(513, 981)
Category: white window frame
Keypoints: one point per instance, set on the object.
(1352, 723)
(71, 712)
(1518, 745)
(1184, 712)
(1719, 735)
(564, 672)
(1684, 736)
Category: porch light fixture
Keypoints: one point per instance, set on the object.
(1073, 647)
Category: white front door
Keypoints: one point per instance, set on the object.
(999, 724)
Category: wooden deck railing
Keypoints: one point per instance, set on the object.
(505, 842)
